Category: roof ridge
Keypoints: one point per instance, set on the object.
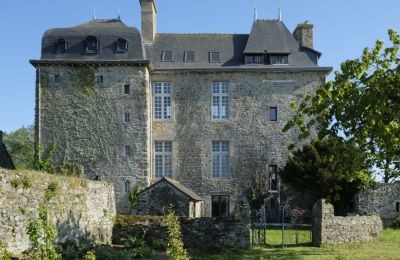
(203, 34)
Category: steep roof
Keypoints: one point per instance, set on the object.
(107, 31)
(188, 192)
(270, 36)
(5, 158)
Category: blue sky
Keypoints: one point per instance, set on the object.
(342, 28)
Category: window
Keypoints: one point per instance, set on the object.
(163, 159)
(279, 59)
(57, 78)
(167, 56)
(220, 100)
(273, 114)
(220, 205)
(189, 56)
(254, 59)
(273, 180)
(92, 45)
(220, 159)
(127, 186)
(128, 151)
(61, 46)
(215, 56)
(100, 79)
(121, 45)
(162, 100)
(127, 117)
(397, 206)
(126, 89)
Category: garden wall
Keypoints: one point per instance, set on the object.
(330, 229)
(79, 208)
(200, 233)
(383, 200)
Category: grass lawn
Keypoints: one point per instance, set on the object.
(386, 246)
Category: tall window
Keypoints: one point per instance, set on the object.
(127, 117)
(127, 151)
(162, 100)
(163, 159)
(126, 89)
(220, 100)
(220, 205)
(273, 114)
(220, 159)
(127, 186)
(273, 180)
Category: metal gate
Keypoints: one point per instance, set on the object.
(258, 227)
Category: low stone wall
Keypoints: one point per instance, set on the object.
(380, 200)
(200, 233)
(330, 229)
(79, 208)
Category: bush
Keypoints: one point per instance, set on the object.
(4, 254)
(134, 195)
(15, 182)
(71, 250)
(175, 245)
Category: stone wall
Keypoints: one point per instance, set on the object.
(380, 200)
(79, 208)
(254, 140)
(84, 117)
(199, 233)
(330, 229)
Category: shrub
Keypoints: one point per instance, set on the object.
(15, 182)
(51, 191)
(138, 247)
(4, 254)
(71, 250)
(26, 182)
(175, 247)
(90, 255)
(42, 234)
(134, 195)
(159, 244)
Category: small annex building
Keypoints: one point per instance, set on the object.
(5, 158)
(156, 200)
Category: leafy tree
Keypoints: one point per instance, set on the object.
(134, 195)
(362, 104)
(330, 169)
(20, 145)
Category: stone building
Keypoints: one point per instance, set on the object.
(206, 110)
(5, 158)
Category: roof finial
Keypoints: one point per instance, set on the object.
(119, 13)
(94, 13)
(279, 14)
(255, 13)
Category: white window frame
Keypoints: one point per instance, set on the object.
(220, 160)
(220, 100)
(272, 172)
(165, 156)
(163, 58)
(186, 60)
(211, 55)
(164, 96)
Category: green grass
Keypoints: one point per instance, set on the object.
(386, 246)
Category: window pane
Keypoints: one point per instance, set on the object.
(158, 165)
(159, 147)
(273, 113)
(157, 108)
(126, 89)
(189, 56)
(167, 107)
(215, 166)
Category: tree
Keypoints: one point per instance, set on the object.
(362, 104)
(20, 145)
(331, 168)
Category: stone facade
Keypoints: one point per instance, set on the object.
(5, 158)
(164, 195)
(383, 200)
(330, 229)
(79, 209)
(254, 141)
(85, 119)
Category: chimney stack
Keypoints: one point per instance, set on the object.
(304, 34)
(149, 20)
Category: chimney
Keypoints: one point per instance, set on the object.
(304, 34)
(149, 17)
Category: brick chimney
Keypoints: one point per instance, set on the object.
(304, 34)
(149, 20)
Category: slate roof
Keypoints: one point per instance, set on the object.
(5, 158)
(106, 31)
(188, 192)
(266, 36)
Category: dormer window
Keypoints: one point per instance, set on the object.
(92, 45)
(215, 56)
(167, 56)
(189, 56)
(254, 59)
(61, 46)
(122, 45)
(278, 59)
